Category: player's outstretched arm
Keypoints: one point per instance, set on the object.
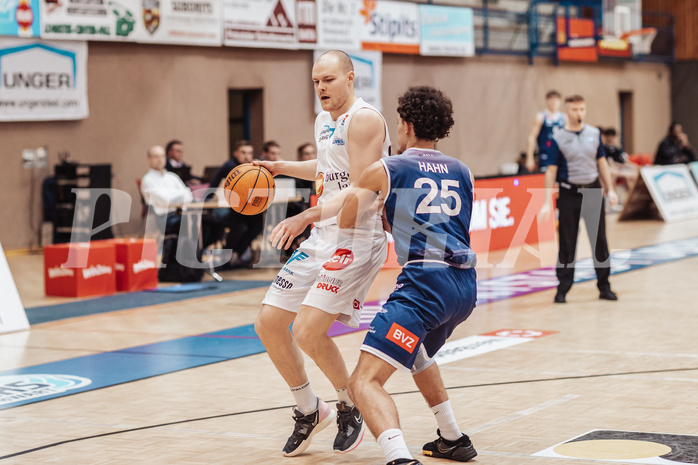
(546, 209)
(531, 145)
(366, 199)
(365, 138)
(296, 169)
(607, 180)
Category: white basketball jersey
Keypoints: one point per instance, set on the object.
(333, 157)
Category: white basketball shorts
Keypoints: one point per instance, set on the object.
(332, 270)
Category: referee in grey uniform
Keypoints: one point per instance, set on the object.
(576, 160)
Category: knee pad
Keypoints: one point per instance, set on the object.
(422, 362)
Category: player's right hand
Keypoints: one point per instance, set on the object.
(272, 166)
(530, 165)
(544, 212)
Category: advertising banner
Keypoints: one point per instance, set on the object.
(576, 40)
(89, 19)
(673, 191)
(260, 23)
(389, 26)
(505, 213)
(195, 22)
(339, 24)
(694, 169)
(42, 81)
(368, 75)
(19, 18)
(446, 31)
(12, 315)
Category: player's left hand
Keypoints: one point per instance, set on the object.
(612, 197)
(285, 232)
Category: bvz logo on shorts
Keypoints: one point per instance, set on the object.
(341, 259)
(17, 388)
(402, 337)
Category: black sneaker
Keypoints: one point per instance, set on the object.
(306, 427)
(405, 462)
(560, 298)
(460, 450)
(608, 295)
(350, 428)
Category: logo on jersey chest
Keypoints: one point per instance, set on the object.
(325, 133)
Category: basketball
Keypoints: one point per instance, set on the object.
(249, 189)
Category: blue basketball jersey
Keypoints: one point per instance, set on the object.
(428, 207)
(551, 123)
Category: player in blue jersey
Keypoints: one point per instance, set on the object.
(544, 126)
(428, 200)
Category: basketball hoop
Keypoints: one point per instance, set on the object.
(641, 40)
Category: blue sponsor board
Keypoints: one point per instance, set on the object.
(20, 18)
(446, 31)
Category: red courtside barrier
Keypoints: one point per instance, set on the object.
(136, 264)
(98, 277)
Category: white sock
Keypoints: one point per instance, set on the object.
(306, 399)
(446, 421)
(343, 396)
(393, 444)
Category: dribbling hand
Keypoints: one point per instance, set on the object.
(272, 166)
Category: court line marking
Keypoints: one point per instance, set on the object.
(522, 413)
(225, 415)
(193, 351)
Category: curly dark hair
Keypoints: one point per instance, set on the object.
(429, 110)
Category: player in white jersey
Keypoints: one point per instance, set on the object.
(328, 276)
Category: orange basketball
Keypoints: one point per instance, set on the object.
(249, 189)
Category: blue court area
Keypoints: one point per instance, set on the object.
(138, 299)
(47, 381)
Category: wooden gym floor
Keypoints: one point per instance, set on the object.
(629, 366)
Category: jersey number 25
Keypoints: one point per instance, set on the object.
(425, 205)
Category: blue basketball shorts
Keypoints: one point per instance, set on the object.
(426, 306)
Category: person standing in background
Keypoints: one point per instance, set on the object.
(545, 123)
(577, 160)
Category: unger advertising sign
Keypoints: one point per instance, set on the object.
(42, 81)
